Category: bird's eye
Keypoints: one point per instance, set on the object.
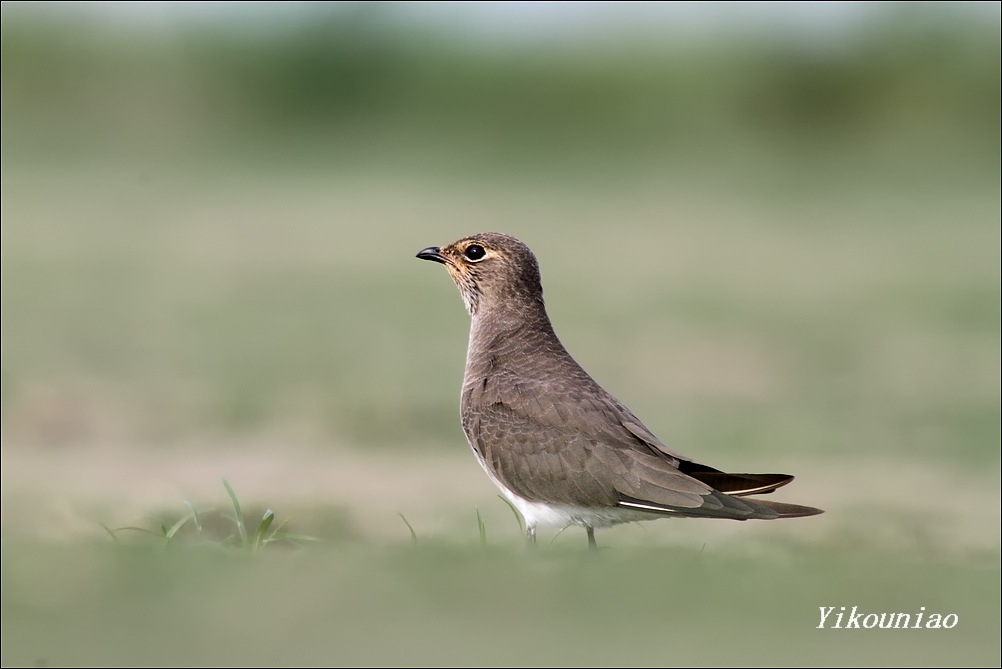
(474, 252)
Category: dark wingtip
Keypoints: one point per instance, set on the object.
(738, 485)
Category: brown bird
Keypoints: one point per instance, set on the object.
(560, 448)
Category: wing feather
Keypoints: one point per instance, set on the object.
(561, 438)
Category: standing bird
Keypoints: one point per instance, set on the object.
(560, 448)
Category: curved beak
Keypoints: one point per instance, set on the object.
(431, 253)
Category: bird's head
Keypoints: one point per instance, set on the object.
(494, 272)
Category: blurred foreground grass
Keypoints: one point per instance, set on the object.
(433, 603)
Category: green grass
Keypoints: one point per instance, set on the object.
(240, 534)
(433, 602)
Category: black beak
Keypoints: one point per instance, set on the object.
(431, 253)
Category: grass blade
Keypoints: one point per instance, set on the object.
(266, 520)
(169, 534)
(560, 532)
(413, 533)
(110, 532)
(196, 516)
(482, 528)
(298, 537)
(277, 535)
(238, 515)
(272, 536)
(518, 516)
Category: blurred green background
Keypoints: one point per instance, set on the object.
(773, 231)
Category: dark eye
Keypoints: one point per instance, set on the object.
(474, 252)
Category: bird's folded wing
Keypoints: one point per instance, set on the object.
(573, 443)
(572, 404)
(542, 463)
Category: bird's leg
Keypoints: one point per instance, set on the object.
(591, 536)
(530, 535)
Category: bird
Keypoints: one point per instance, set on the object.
(562, 450)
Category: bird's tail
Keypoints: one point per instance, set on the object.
(788, 510)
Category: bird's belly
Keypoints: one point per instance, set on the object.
(547, 514)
